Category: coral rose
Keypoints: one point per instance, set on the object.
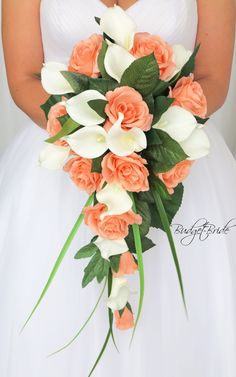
(145, 44)
(129, 171)
(113, 227)
(84, 56)
(125, 321)
(127, 265)
(79, 169)
(128, 101)
(189, 95)
(53, 124)
(175, 175)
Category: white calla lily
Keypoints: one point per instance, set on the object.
(197, 145)
(116, 23)
(111, 247)
(117, 60)
(177, 122)
(80, 111)
(123, 143)
(116, 199)
(53, 156)
(120, 293)
(52, 80)
(88, 142)
(181, 56)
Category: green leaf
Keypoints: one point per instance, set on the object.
(84, 325)
(52, 100)
(139, 252)
(153, 138)
(103, 85)
(97, 164)
(90, 271)
(171, 206)
(146, 243)
(78, 82)
(166, 226)
(102, 269)
(162, 104)
(115, 262)
(86, 251)
(150, 102)
(97, 19)
(101, 58)
(161, 88)
(143, 210)
(166, 155)
(60, 258)
(145, 196)
(98, 105)
(68, 126)
(201, 120)
(142, 75)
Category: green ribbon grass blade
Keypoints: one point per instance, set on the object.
(60, 258)
(166, 226)
(84, 325)
(139, 252)
(110, 314)
(101, 353)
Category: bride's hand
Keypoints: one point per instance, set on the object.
(23, 53)
(216, 33)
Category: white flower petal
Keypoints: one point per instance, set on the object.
(197, 145)
(53, 156)
(52, 80)
(88, 142)
(123, 143)
(177, 122)
(181, 56)
(120, 293)
(80, 111)
(111, 247)
(116, 23)
(117, 60)
(116, 199)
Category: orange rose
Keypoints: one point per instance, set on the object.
(113, 227)
(128, 101)
(145, 44)
(125, 321)
(79, 169)
(175, 175)
(84, 56)
(53, 124)
(189, 95)
(127, 265)
(129, 171)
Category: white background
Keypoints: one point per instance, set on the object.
(12, 119)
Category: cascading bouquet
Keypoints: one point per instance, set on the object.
(125, 119)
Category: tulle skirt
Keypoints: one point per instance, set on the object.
(38, 208)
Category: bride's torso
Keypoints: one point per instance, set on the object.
(65, 22)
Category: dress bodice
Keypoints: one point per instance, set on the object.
(65, 22)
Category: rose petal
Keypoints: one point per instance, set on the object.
(117, 60)
(197, 145)
(53, 156)
(111, 247)
(116, 23)
(88, 142)
(116, 199)
(120, 293)
(80, 111)
(177, 122)
(52, 80)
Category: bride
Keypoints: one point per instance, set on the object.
(39, 207)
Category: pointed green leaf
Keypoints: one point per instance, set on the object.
(101, 58)
(115, 262)
(77, 81)
(98, 105)
(51, 101)
(86, 251)
(68, 126)
(161, 105)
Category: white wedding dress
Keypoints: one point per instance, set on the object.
(39, 208)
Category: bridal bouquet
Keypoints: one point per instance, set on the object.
(125, 120)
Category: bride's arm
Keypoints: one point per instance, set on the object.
(216, 33)
(23, 53)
